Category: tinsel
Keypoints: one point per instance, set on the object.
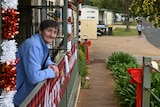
(9, 4)
(9, 51)
(69, 28)
(9, 30)
(6, 99)
(9, 23)
(7, 76)
(8, 57)
(79, 19)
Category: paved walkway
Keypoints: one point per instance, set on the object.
(101, 91)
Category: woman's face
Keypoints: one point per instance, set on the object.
(49, 34)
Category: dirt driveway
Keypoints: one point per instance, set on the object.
(131, 44)
(101, 90)
(104, 46)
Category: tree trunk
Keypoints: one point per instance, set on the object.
(127, 22)
(128, 16)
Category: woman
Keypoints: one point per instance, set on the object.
(35, 64)
(139, 28)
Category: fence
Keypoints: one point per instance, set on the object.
(146, 90)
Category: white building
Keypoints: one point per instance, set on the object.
(102, 16)
(90, 13)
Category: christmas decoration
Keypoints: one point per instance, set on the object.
(8, 57)
(69, 30)
(9, 30)
(9, 23)
(9, 49)
(136, 78)
(79, 19)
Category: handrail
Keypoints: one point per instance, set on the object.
(146, 91)
(153, 68)
(158, 99)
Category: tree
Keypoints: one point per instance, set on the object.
(148, 9)
(117, 7)
(120, 6)
(96, 3)
(86, 2)
(127, 4)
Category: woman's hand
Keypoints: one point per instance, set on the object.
(55, 69)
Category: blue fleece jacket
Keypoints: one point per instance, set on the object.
(32, 54)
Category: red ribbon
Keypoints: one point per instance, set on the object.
(136, 74)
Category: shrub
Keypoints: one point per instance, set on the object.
(117, 63)
(155, 83)
(83, 70)
(120, 58)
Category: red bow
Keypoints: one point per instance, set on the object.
(136, 74)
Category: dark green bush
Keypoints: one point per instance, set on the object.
(120, 57)
(155, 88)
(118, 62)
(83, 70)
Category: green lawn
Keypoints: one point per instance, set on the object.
(134, 23)
(123, 32)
